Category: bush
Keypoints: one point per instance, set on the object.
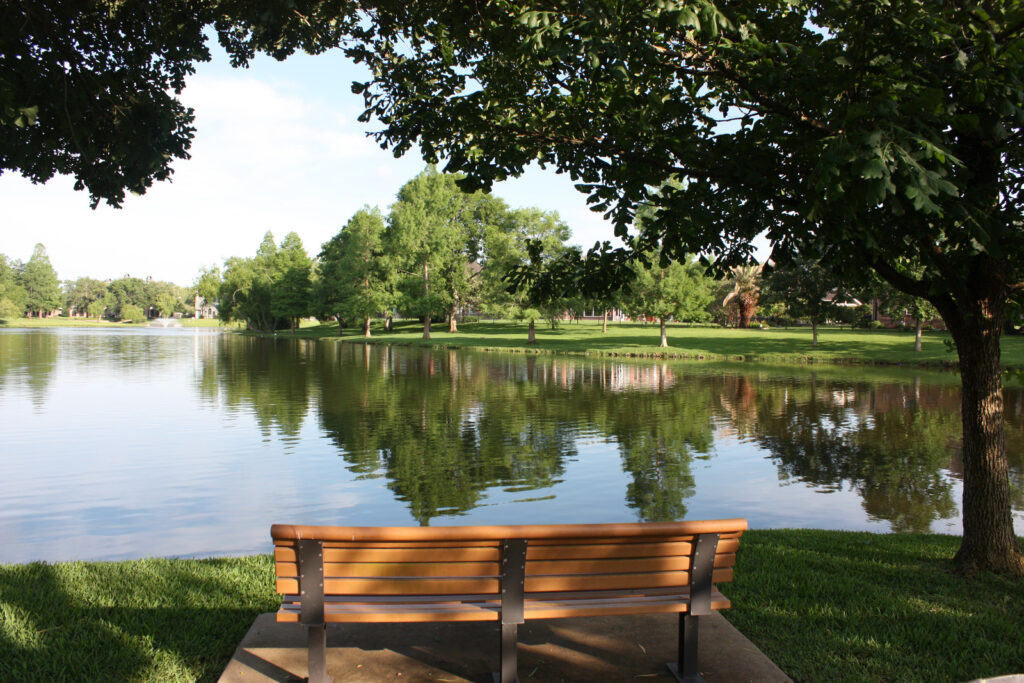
(470, 319)
(132, 313)
(875, 325)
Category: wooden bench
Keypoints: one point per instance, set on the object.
(504, 574)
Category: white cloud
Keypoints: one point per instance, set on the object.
(275, 149)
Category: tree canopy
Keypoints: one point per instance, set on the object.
(853, 133)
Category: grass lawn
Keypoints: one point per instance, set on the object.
(825, 606)
(775, 345)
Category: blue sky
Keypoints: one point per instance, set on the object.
(278, 148)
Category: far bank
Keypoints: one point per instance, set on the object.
(635, 340)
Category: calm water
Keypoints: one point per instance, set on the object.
(188, 442)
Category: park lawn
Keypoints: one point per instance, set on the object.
(775, 345)
(823, 605)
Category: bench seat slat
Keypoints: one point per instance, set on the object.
(398, 569)
(399, 586)
(420, 554)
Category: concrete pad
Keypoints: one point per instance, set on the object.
(618, 648)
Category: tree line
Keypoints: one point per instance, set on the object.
(441, 252)
(33, 289)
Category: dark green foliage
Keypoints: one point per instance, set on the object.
(269, 291)
(354, 281)
(39, 281)
(82, 293)
(12, 294)
(87, 90)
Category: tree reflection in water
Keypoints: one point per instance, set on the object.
(443, 428)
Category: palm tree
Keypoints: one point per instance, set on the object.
(746, 289)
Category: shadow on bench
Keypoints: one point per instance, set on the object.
(504, 574)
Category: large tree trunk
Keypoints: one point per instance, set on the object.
(366, 327)
(532, 334)
(664, 335)
(744, 312)
(453, 326)
(814, 333)
(341, 325)
(917, 335)
(988, 540)
(604, 322)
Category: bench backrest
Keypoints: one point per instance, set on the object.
(411, 561)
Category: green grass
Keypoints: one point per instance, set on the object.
(776, 345)
(146, 620)
(847, 606)
(824, 605)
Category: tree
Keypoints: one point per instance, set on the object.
(132, 313)
(898, 305)
(804, 286)
(39, 280)
(292, 287)
(207, 286)
(12, 295)
(506, 243)
(673, 290)
(354, 281)
(126, 291)
(246, 291)
(433, 234)
(859, 134)
(80, 294)
(88, 90)
(744, 295)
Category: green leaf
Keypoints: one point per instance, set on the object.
(874, 168)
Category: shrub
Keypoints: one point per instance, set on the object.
(875, 325)
(132, 313)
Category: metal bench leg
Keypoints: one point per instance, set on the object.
(318, 655)
(685, 671)
(702, 569)
(509, 663)
(311, 589)
(513, 581)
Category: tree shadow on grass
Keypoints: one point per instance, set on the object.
(152, 620)
(874, 607)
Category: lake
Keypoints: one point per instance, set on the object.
(189, 442)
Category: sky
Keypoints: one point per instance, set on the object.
(278, 148)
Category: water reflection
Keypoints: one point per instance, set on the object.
(27, 360)
(179, 440)
(271, 379)
(443, 429)
(438, 428)
(894, 453)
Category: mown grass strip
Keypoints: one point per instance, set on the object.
(776, 345)
(824, 605)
